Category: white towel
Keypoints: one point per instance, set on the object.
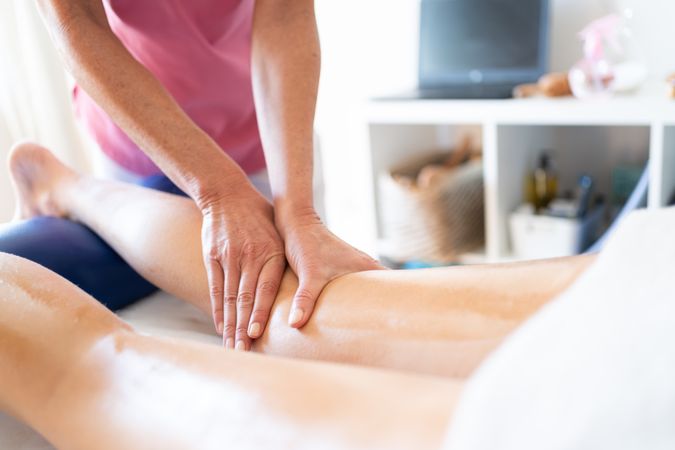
(593, 370)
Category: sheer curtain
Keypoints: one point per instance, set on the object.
(34, 93)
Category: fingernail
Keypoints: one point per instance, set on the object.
(240, 346)
(219, 328)
(254, 330)
(296, 316)
(229, 343)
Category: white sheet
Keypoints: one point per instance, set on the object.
(160, 315)
(593, 370)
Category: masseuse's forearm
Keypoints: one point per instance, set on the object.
(136, 100)
(286, 64)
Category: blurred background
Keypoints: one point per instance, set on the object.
(531, 177)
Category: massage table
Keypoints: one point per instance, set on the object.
(161, 315)
(592, 370)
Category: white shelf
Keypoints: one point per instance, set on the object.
(588, 137)
(644, 109)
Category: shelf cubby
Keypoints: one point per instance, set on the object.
(585, 137)
(394, 144)
(594, 150)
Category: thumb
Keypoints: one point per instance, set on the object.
(304, 300)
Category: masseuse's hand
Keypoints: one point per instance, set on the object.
(244, 259)
(317, 257)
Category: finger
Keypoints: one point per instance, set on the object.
(304, 300)
(265, 294)
(230, 302)
(214, 273)
(247, 284)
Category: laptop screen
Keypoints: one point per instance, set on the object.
(482, 41)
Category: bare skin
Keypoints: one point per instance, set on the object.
(246, 241)
(401, 320)
(84, 379)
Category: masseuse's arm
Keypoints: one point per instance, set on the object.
(241, 246)
(286, 64)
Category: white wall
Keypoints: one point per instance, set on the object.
(370, 47)
(34, 93)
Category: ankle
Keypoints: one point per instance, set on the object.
(66, 191)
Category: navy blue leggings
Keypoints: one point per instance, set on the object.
(76, 253)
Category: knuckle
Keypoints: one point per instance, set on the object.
(230, 300)
(242, 330)
(216, 291)
(268, 287)
(229, 330)
(304, 296)
(250, 249)
(230, 248)
(245, 299)
(213, 252)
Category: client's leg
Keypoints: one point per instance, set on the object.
(76, 253)
(392, 319)
(45, 325)
(85, 380)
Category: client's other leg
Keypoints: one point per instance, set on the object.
(76, 253)
(68, 248)
(149, 229)
(403, 320)
(85, 380)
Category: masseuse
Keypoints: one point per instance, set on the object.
(210, 93)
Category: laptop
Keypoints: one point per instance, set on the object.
(481, 48)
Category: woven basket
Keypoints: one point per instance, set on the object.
(435, 223)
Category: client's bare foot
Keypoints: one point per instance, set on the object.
(38, 178)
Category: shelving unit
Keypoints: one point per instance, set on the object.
(586, 137)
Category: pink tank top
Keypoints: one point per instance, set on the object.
(200, 51)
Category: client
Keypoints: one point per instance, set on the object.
(404, 320)
(84, 379)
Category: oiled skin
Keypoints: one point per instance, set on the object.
(84, 379)
(390, 319)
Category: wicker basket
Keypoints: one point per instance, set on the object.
(436, 222)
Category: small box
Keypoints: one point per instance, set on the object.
(541, 236)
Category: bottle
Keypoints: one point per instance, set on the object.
(541, 185)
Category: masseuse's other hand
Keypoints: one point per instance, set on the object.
(244, 259)
(317, 257)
